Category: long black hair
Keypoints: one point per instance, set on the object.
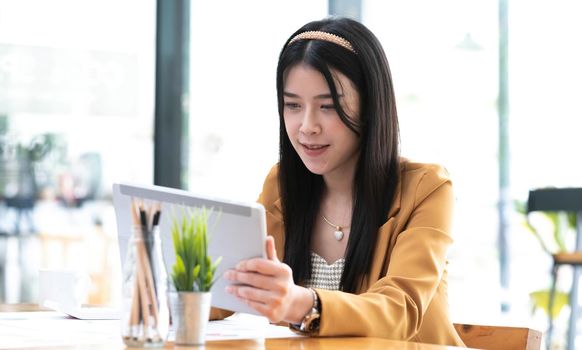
(377, 168)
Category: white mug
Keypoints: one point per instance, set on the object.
(63, 288)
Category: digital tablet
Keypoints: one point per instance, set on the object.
(236, 230)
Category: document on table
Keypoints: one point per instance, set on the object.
(246, 326)
(53, 329)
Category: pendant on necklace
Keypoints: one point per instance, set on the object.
(338, 233)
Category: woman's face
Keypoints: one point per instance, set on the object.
(324, 143)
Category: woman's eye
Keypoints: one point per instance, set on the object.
(292, 105)
(328, 107)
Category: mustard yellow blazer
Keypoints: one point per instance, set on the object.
(405, 294)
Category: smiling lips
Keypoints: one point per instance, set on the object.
(314, 150)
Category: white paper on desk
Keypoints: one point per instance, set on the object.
(42, 329)
(55, 329)
(84, 312)
(246, 326)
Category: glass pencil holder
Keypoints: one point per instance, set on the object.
(145, 315)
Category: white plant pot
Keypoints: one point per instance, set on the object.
(190, 313)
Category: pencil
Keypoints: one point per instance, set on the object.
(141, 299)
(143, 220)
(146, 263)
(155, 235)
(134, 315)
(149, 285)
(144, 301)
(157, 215)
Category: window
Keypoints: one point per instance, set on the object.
(234, 123)
(76, 115)
(443, 57)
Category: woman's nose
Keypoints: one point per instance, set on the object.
(309, 124)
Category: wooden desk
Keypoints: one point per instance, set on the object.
(258, 344)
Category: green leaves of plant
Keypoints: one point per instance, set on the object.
(541, 300)
(193, 270)
(551, 242)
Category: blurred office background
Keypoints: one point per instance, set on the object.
(88, 98)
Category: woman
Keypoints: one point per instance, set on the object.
(358, 235)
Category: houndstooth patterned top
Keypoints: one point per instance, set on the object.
(324, 276)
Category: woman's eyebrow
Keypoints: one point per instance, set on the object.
(317, 97)
(290, 94)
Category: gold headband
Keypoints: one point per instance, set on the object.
(325, 36)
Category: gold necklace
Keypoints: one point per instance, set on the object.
(338, 233)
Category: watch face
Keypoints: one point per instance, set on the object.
(314, 325)
(311, 321)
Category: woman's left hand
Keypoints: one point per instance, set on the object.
(267, 286)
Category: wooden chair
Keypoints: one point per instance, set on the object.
(573, 259)
(494, 337)
(568, 200)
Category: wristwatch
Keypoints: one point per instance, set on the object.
(310, 322)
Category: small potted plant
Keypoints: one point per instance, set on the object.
(193, 275)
